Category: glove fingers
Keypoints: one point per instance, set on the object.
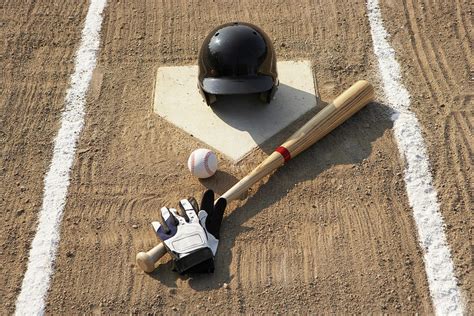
(166, 228)
(194, 203)
(219, 208)
(207, 202)
(190, 208)
(182, 211)
(166, 215)
(213, 223)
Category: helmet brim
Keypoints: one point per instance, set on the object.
(241, 85)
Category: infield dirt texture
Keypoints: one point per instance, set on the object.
(330, 232)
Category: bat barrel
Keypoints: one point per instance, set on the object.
(331, 116)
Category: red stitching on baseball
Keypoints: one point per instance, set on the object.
(206, 165)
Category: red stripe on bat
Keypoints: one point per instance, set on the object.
(284, 152)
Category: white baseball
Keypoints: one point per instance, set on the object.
(202, 163)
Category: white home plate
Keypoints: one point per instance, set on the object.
(235, 124)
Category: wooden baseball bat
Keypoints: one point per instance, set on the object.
(331, 116)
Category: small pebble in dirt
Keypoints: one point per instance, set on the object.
(225, 286)
(174, 308)
(135, 226)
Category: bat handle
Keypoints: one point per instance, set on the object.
(146, 260)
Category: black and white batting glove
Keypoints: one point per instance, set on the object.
(191, 235)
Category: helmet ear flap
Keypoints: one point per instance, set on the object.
(208, 97)
(267, 96)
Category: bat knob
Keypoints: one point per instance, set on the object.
(145, 262)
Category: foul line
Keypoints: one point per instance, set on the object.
(31, 300)
(422, 195)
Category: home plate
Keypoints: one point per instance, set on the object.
(235, 124)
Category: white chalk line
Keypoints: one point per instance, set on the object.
(421, 193)
(31, 300)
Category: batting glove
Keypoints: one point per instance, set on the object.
(192, 236)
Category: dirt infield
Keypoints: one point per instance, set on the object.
(330, 232)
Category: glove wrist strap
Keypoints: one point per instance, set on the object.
(199, 261)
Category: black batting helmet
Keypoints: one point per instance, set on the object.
(237, 58)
